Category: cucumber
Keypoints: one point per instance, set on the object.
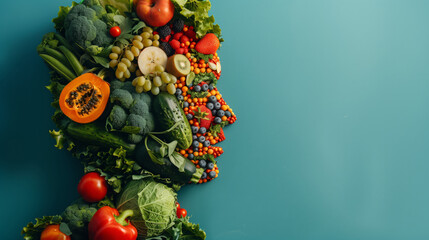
(168, 112)
(94, 134)
(166, 168)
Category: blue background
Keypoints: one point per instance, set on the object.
(331, 141)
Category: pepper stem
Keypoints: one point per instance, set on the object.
(121, 219)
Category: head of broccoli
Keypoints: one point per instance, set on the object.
(131, 112)
(85, 24)
(78, 215)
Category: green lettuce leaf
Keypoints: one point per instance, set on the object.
(196, 13)
(33, 230)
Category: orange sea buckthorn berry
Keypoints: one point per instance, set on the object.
(192, 68)
(185, 29)
(203, 70)
(224, 107)
(202, 61)
(209, 70)
(196, 70)
(224, 118)
(194, 60)
(210, 151)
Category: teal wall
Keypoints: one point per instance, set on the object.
(332, 137)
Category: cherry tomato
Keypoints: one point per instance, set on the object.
(177, 205)
(52, 232)
(92, 187)
(181, 212)
(115, 31)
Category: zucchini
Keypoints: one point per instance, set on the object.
(165, 168)
(94, 134)
(168, 112)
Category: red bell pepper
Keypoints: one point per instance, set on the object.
(108, 224)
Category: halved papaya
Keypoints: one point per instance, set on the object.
(84, 99)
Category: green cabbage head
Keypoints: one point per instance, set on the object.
(153, 203)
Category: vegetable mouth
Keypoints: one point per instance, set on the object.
(84, 98)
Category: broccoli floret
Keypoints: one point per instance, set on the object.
(78, 215)
(116, 84)
(81, 30)
(100, 12)
(144, 97)
(90, 3)
(128, 86)
(139, 108)
(150, 123)
(102, 37)
(134, 120)
(122, 97)
(79, 11)
(116, 119)
(135, 138)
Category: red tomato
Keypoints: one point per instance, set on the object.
(115, 31)
(52, 232)
(177, 206)
(181, 212)
(92, 187)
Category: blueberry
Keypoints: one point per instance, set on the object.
(217, 120)
(211, 87)
(197, 88)
(194, 137)
(210, 165)
(217, 105)
(214, 111)
(210, 106)
(220, 113)
(194, 129)
(195, 143)
(202, 130)
(228, 114)
(191, 156)
(196, 149)
(204, 175)
(180, 98)
(201, 139)
(202, 163)
(185, 104)
(178, 91)
(205, 87)
(212, 174)
(189, 116)
(206, 143)
(212, 99)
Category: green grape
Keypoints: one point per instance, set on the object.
(139, 89)
(139, 44)
(156, 37)
(133, 67)
(126, 62)
(145, 35)
(159, 69)
(157, 81)
(122, 67)
(155, 91)
(113, 56)
(134, 82)
(147, 86)
(151, 36)
(129, 55)
(116, 50)
(147, 29)
(138, 38)
(119, 74)
(155, 43)
(173, 78)
(171, 88)
(140, 81)
(165, 77)
(147, 42)
(135, 51)
(127, 74)
(113, 63)
(163, 87)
